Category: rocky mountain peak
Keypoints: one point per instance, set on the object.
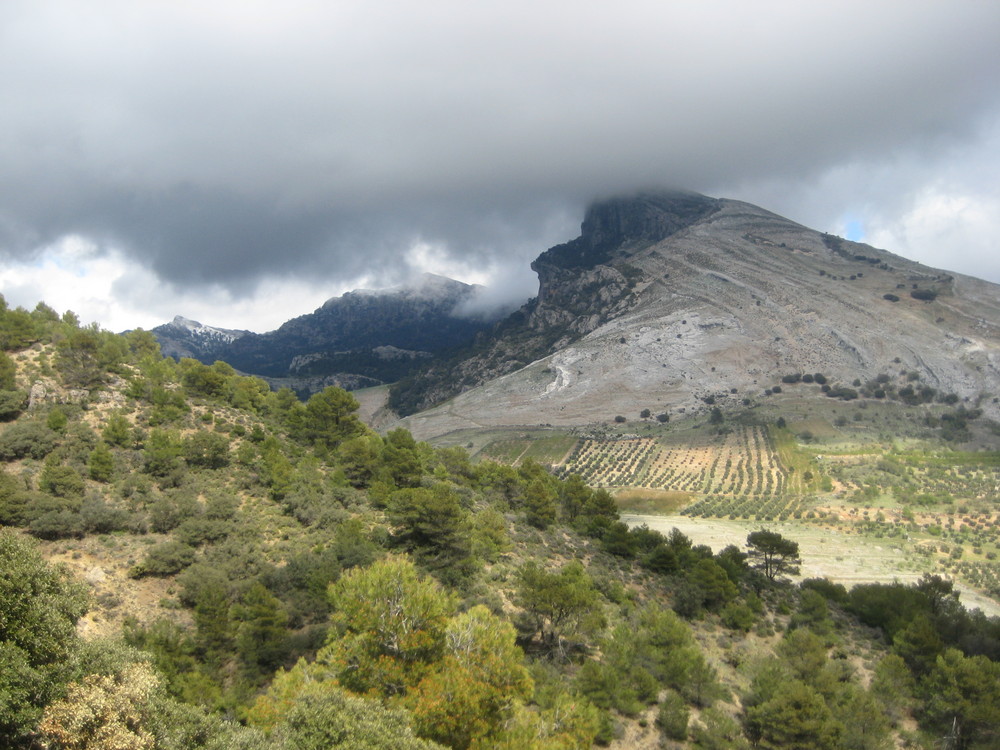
(183, 337)
(627, 222)
(643, 217)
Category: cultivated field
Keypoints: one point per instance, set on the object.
(939, 508)
(741, 462)
(750, 472)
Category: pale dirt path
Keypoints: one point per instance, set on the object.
(826, 553)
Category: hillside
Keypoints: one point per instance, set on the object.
(272, 574)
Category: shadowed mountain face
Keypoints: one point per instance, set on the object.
(360, 339)
(670, 298)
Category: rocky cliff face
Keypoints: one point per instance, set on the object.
(360, 339)
(587, 281)
(581, 285)
(724, 305)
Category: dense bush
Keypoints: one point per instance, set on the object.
(12, 403)
(27, 440)
(164, 559)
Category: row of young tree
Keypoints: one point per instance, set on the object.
(347, 589)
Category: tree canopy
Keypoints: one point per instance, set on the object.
(39, 607)
(772, 554)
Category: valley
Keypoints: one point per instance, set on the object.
(876, 476)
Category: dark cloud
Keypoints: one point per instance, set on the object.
(223, 142)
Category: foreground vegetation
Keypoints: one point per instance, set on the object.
(311, 584)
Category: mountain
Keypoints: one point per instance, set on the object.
(183, 337)
(673, 300)
(362, 338)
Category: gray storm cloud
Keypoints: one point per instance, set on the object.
(219, 143)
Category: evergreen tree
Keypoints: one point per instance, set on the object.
(772, 554)
(795, 718)
(433, 526)
(329, 418)
(388, 627)
(401, 458)
(261, 635)
(539, 504)
(40, 607)
(963, 699)
(558, 604)
(101, 464)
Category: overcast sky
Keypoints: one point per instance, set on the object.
(239, 162)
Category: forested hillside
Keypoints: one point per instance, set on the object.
(190, 560)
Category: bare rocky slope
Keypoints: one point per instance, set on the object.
(667, 299)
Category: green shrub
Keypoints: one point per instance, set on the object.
(164, 559)
(835, 592)
(57, 524)
(206, 449)
(12, 403)
(101, 464)
(27, 440)
(16, 503)
(61, 481)
(117, 431)
(738, 617)
(167, 513)
(8, 370)
(201, 530)
(672, 716)
(98, 517)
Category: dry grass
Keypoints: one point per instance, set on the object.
(102, 563)
(652, 501)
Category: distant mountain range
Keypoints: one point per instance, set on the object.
(667, 301)
(362, 338)
(183, 337)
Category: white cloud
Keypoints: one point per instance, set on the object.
(69, 274)
(948, 230)
(111, 289)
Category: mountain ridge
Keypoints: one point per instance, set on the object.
(668, 300)
(362, 338)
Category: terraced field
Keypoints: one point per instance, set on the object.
(548, 450)
(738, 472)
